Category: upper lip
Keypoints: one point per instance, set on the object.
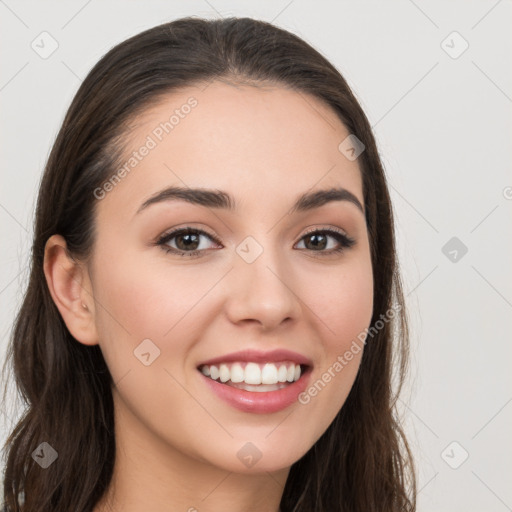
(257, 356)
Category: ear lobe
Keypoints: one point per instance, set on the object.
(67, 282)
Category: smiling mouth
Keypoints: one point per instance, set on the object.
(256, 377)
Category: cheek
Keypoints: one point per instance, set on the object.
(343, 309)
(343, 303)
(139, 302)
(155, 300)
(146, 299)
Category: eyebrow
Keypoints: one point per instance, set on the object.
(212, 198)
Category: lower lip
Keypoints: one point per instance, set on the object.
(259, 402)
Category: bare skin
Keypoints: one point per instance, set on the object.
(177, 442)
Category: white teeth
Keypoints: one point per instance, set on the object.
(214, 372)
(237, 373)
(224, 373)
(252, 374)
(269, 374)
(262, 388)
(266, 375)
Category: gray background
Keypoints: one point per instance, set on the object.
(443, 124)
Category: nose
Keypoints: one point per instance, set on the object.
(262, 292)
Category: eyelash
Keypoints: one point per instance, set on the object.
(345, 241)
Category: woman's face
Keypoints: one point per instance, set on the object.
(258, 293)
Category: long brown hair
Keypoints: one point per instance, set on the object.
(362, 463)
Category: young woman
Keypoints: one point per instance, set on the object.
(214, 313)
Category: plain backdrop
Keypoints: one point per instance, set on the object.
(436, 83)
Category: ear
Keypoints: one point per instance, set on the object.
(70, 288)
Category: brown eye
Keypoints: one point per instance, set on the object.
(187, 241)
(318, 241)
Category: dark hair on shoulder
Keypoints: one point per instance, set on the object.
(362, 463)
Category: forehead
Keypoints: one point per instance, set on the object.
(259, 143)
